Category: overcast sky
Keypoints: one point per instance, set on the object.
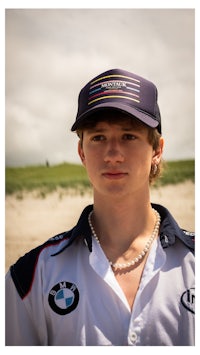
(51, 54)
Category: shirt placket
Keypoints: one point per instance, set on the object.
(154, 263)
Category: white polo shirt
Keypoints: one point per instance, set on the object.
(73, 298)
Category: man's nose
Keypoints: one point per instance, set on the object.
(113, 152)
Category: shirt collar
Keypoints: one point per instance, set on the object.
(169, 230)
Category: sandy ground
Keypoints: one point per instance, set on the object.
(31, 220)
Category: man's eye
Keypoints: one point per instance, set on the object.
(129, 136)
(98, 138)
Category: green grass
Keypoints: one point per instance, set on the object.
(175, 172)
(71, 176)
(45, 178)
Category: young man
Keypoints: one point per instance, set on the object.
(124, 275)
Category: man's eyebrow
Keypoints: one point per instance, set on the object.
(96, 130)
(122, 128)
(130, 128)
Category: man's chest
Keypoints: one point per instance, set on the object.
(129, 281)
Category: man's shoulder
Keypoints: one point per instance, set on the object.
(188, 239)
(23, 270)
(170, 231)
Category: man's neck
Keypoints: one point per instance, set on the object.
(121, 221)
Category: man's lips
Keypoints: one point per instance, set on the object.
(114, 175)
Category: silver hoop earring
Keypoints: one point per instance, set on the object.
(154, 168)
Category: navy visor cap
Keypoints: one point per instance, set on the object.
(119, 90)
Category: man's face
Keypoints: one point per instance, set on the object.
(117, 157)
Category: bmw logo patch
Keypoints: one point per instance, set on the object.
(63, 297)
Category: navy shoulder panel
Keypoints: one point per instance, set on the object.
(170, 230)
(23, 270)
(188, 239)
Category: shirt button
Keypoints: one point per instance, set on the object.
(133, 337)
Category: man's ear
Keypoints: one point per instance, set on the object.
(158, 152)
(81, 152)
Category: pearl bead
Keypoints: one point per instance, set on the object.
(142, 253)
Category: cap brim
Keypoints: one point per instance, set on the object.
(142, 116)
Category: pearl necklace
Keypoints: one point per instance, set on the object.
(143, 252)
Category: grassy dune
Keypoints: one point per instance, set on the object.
(73, 176)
